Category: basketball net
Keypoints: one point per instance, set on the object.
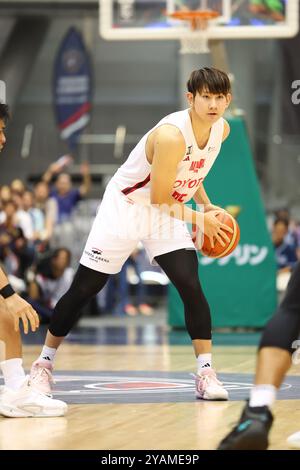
(195, 41)
(196, 44)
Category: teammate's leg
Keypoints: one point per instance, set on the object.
(274, 360)
(181, 266)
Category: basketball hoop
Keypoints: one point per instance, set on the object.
(196, 40)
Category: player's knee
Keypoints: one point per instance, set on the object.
(282, 330)
(189, 285)
(59, 330)
(87, 283)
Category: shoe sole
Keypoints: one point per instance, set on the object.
(254, 443)
(14, 412)
(212, 399)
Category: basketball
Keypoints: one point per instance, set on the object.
(219, 251)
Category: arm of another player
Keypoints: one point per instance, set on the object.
(17, 307)
(168, 151)
(201, 197)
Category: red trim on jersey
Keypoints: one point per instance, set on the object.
(138, 185)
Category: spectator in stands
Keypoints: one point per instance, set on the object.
(16, 253)
(37, 218)
(66, 196)
(5, 195)
(23, 218)
(285, 250)
(48, 206)
(52, 279)
(291, 237)
(17, 186)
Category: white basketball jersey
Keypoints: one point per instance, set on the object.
(133, 177)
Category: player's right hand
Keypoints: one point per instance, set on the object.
(214, 229)
(19, 309)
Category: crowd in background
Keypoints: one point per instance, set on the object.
(36, 249)
(28, 219)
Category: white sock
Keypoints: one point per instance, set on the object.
(263, 395)
(203, 361)
(47, 355)
(13, 373)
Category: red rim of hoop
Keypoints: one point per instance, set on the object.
(194, 16)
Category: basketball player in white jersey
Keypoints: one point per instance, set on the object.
(18, 398)
(144, 201)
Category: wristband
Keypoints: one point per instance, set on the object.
(7, 291)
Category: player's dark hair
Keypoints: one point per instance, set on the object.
(210, 80)
(4, 112)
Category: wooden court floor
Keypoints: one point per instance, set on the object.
(166, 426)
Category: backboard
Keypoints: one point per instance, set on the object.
(238, 19)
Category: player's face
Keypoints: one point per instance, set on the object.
(2, 134)
(209, 106)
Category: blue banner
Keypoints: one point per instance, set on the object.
(72, 87)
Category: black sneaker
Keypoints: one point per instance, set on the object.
(251, 432)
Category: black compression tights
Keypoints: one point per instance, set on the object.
(181, 267)
(86, 284)
(284, 327)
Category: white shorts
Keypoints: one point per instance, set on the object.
(119, 226)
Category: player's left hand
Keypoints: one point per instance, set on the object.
(19, 309)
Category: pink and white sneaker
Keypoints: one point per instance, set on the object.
(41, 377)
(29, 402)
(208, 387)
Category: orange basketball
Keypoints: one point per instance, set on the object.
(219, 251)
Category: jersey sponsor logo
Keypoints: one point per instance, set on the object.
(96, 251)
(95, 256)
(190, 183)
(211, 149)
(188, 153)
(196, 166)
(178, 196)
